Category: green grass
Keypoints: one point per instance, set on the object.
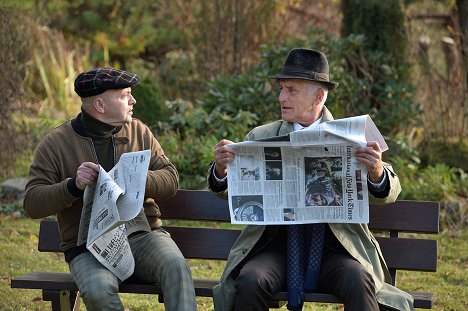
(19, 255)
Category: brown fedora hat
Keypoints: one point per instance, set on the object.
(306, 64)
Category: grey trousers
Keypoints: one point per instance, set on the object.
(158, 260)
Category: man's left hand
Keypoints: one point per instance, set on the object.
(371, 157)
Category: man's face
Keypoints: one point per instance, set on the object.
(298, 101)
(118, 106)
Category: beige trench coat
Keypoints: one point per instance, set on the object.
(356, 239)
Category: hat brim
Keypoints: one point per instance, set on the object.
(329, 85)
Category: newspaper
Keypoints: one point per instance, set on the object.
(113, 209)
(307, 176)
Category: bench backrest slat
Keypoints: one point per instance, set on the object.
(403, 215)
(215, 245)
(406, 254)
(409, 254)
(204, 205)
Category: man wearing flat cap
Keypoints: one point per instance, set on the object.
(336, 258)
(68, 159)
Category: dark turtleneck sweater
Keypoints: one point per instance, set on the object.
(102, 135)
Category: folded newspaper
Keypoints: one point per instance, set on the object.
(307, 176)
(113, 209)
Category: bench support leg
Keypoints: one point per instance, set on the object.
(63, 300)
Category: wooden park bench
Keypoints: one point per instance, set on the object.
(210, 243)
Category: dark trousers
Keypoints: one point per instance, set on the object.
(344, 277)
(264, 273)
(260, 277)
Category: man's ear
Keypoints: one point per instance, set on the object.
(98, 104)
(319, 94)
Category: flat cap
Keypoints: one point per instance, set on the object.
(99, 80)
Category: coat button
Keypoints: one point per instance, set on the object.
(245, 250)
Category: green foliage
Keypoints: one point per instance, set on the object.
(179, 75)
(434, 183)
(123, 29)
(370, 84)
(377, 61)
(451, 152)
(150, 106)
(15, 207)
(191, 155)
(236, 105)
(383, 24)
(438, 182)
(187, 141)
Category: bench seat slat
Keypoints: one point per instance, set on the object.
(203, 287)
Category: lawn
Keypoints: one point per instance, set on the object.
(18, 253)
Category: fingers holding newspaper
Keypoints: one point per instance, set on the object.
(223, 155)
(371, 157)
(86, 174)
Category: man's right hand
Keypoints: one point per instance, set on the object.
(223, 155)
(86, 174)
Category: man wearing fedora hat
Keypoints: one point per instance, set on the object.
(337, 258)
(68, 159)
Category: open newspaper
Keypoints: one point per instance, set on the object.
(307, 176)
(113, 209)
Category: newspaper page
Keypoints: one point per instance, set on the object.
(113, 209)
(313, 177)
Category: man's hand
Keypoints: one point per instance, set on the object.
(371, 158)
(223, 155)
(86, 174)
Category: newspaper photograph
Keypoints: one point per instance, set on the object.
(113, 209)
(311, 177)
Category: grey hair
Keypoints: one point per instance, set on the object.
(313, 86)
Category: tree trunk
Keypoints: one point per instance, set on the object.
(462, 6)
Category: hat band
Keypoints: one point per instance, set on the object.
(300, 72)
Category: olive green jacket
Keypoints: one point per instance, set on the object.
(57, 159)
(356, 238)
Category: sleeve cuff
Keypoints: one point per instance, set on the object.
(216, 184)
(73, 189)
(378, 187)
(219, 181)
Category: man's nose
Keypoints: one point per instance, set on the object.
(282, 96)
(132, 100)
